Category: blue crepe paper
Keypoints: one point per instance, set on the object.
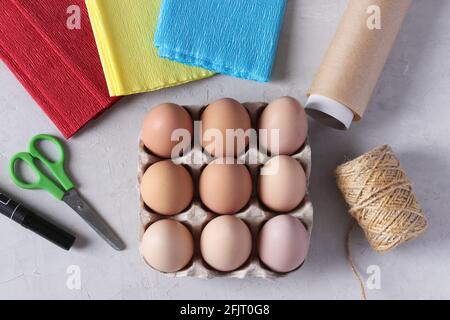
(233, 37)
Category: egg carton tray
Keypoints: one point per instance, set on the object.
(255, 214)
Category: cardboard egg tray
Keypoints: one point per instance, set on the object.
(197, 215)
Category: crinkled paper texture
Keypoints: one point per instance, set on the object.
(233, 37)
(124, 31)
(58, 66)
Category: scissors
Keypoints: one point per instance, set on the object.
(65, 191)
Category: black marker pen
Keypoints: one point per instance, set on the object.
(27, 219)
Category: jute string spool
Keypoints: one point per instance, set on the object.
(381, 200)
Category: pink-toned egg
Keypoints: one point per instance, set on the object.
(286, 116)
(283, 243)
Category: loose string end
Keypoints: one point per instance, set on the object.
(350, 260)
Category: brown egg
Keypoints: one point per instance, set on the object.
(161, 123)
(167, 246)
(282, 184)
(226, 243)
(225, 188)
(287, 115)
(167, 188)
(217, 119)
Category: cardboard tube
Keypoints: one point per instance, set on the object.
(354, 62)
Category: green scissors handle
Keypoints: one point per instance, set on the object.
(55, 167)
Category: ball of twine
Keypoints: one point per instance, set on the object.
(381, 199)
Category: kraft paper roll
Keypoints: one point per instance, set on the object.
(343, 87)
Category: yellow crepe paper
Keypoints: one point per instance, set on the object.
(124, 31)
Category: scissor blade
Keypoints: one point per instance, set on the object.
(76, 202)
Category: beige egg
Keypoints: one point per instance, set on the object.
(282, 184)
(225, 116)
(226, 243)
(288, 116)
(167, 246)
(167, 188)
(225, 187)
(159, 126)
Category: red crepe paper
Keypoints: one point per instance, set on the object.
(59, 67)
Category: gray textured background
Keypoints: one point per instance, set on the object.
(410, 111)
